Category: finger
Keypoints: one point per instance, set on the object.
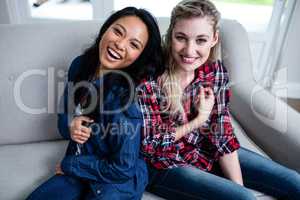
(86, 119)
(86, 130)
(209, 90)
(202, 97)
(80, 140)
(59, 172)
(84, 138)
(76, 133)
(82, 134)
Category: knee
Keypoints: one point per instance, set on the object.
(294, 183)
(244, 194)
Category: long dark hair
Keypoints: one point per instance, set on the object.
(149, 64)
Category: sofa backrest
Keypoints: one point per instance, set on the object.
(33, 60)
(33, 63)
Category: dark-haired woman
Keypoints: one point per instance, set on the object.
(103, 160)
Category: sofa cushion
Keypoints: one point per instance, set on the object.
(244, 140)
(25, 166)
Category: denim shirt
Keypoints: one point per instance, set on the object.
(111, 158)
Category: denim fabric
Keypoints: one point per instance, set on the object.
(60, 187)
(259, 173)
(110, 163)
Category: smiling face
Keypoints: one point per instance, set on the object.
(192, 40)
(122, 43)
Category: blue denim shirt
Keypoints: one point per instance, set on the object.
(111, 158)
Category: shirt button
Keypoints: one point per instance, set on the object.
(98, 191)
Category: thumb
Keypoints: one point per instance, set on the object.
(202, 95)
(86, 119)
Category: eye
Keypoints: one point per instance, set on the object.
(201, 41)
(117, 31)
(180, 38)
(134, 45)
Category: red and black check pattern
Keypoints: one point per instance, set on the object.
(201, 147)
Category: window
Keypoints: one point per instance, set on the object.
(61, 9)
(265, 20)
(165, 6)
(253, 14)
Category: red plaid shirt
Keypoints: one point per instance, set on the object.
(199, 148)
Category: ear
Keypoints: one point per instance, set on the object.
(215, 39)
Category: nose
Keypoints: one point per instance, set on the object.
(121, 44)
(190, 48)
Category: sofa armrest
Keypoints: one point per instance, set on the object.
(268, 121)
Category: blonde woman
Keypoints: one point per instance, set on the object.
(188, 139)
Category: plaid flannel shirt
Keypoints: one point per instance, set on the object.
(202, 146)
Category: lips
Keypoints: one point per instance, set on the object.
(113, 54)
(188, 60)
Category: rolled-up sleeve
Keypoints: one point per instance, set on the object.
(122, 136)
(222, 132)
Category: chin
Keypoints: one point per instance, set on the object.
(188, 67)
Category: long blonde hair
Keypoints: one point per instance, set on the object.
(184, 10)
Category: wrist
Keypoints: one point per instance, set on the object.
(198, 121)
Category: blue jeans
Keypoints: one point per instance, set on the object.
(62, 187)
(259, 173)
(59, 187)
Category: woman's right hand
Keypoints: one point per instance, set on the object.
(80, 133)
(207, 101)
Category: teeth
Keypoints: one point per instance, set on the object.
(114, 54)
(188, 59)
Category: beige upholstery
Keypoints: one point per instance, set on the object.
(267, 120)
(30, 144)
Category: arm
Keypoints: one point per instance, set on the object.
(205, 106)
(222, 134)
(123, 139)
(230, 166)
(65, 116)
(159, 135)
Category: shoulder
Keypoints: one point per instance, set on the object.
(219, 67)
(215, 67)
(216, 71)
(74, 67)
(221, 73)
(121, 99)
(148, 86)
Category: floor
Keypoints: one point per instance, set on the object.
(294, 103)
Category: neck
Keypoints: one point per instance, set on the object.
(184, 77)
(102, 71)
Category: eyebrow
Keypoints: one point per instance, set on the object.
(124, 29)
(202, 35)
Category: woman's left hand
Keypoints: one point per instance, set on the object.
(58, 170)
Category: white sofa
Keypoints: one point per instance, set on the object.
(33, 62)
